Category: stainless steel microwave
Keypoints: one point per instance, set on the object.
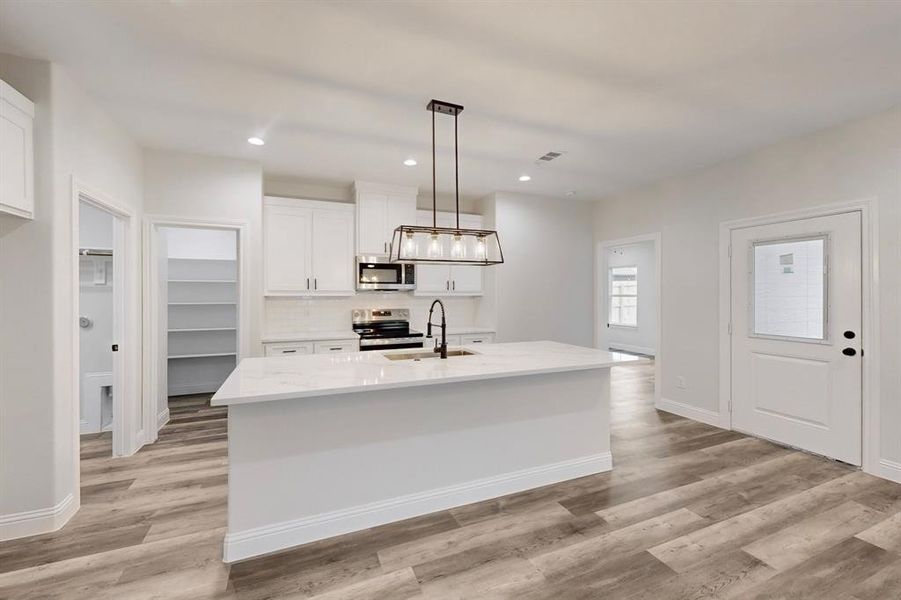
(376, 274)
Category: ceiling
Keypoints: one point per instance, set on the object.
(630, 92)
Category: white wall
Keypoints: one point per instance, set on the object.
(38, 403)
(643, 338)
(294, 187)
(209, 188)
(188, 242)
(545, 288)
(855, 161)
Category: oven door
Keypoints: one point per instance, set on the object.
(379, 276)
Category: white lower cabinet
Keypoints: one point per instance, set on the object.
(476, 338)
(336, 346)
(461, 339)
(312, 347)
(288, 349)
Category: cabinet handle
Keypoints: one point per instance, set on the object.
(308, 283)
(477, 341)
(384, 246)
(447, 285)
(288, 351)
(315, 284)
(333, 349)
(455, 284)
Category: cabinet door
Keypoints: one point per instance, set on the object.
(372, 223)
(16, 160)
(287, 247)
(431, 279)
(333, 251)
(452, 340)
(467, 279)
(401, 211)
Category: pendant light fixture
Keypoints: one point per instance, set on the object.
(445, 245)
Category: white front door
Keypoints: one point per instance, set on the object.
(796, 327)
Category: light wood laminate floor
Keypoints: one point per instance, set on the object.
(689, 511)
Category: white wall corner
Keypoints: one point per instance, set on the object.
(703, 415)
(35, 522)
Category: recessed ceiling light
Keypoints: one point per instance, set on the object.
(570, 192)
(524, 178)
(255, 141)
(410, 162)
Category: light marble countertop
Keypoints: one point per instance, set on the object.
(348, 334)
(288, 377)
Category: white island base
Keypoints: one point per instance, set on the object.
(410, 438)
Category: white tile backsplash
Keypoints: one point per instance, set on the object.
(294, 315)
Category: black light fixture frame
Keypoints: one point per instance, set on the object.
(447, 108)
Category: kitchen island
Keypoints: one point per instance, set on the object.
(323, 445)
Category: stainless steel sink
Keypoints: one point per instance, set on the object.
(425, 354)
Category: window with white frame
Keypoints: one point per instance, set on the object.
(623, 300)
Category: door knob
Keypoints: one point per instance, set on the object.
(849, 335)
(849, 352)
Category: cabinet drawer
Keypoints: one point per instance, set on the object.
(288, 349)
(336, 346)
(476, 338)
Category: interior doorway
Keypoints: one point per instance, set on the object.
(797, 333)
(196, 311)
(106, 399)
(627, 298)
(96, 267)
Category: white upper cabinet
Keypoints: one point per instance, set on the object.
(380, 210)
(333, 251)
(308, 247)
(287, 242)
(16, 153)
(448, 280)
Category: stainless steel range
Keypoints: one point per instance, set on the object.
(385, 328)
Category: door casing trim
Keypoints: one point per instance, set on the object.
(153, 358)
(868, 209)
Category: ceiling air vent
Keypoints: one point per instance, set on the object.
(550, 156)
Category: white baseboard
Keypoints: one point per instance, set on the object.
(889, 469)
(162, 418)
(194, 388)
(633, 349)
(279, 536)
(688, 411)
(34, 522)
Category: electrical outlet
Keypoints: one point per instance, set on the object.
(680, 382)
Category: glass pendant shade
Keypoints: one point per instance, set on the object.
(445, 245)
